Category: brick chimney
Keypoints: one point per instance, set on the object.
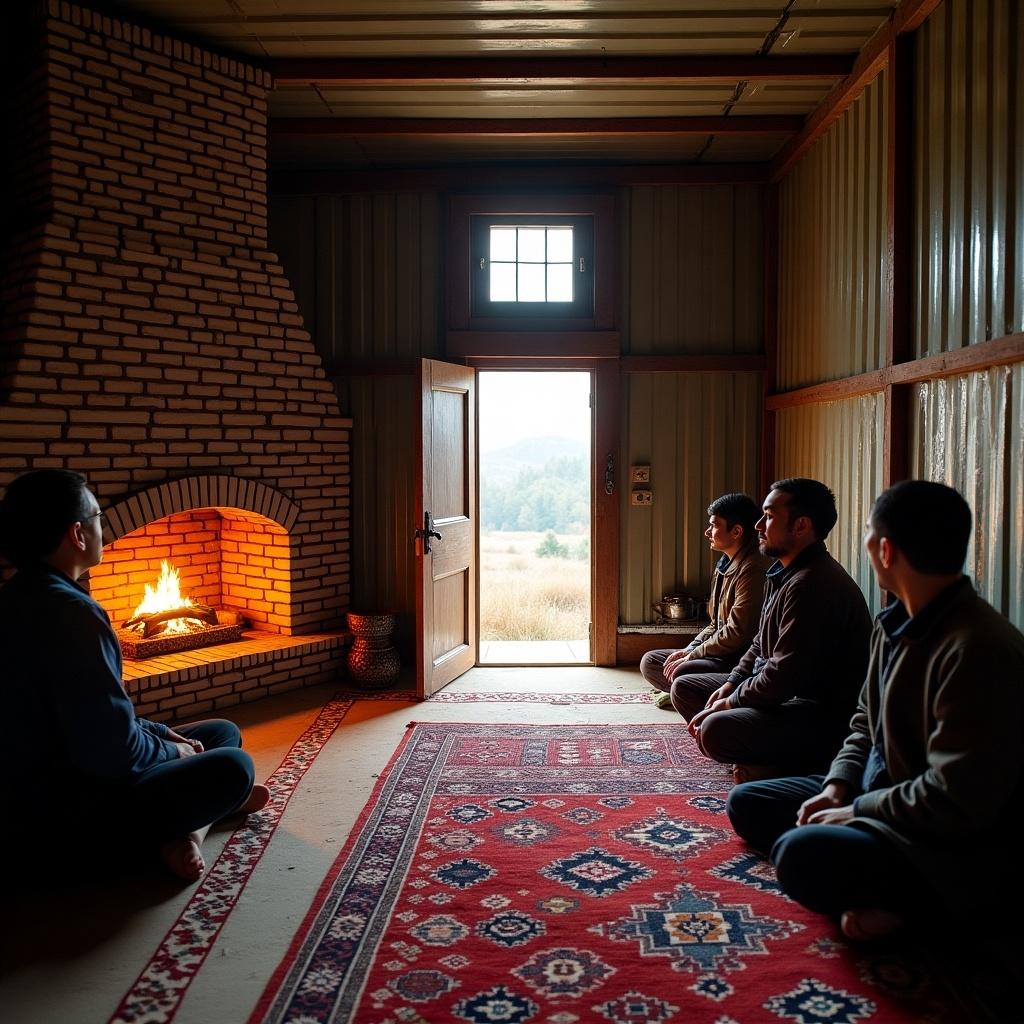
(151, 341)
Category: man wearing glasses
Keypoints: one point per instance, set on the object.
(77, 761)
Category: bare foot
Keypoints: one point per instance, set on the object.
(753, 772)
(868, 924)
(184, 858)
(258, 798)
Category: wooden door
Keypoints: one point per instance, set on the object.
(445, 526)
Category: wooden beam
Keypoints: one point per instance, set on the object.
(829, 391)
(529, 127)
(372, 368)
(492, 177)
(872, 58)
(693, 364)
(969, 359)
(522, 70)
(769, 331)
(532, 344)
(633, 646)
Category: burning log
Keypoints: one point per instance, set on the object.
(166, 622)
(154, 622)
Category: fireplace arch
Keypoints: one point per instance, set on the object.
(228, 539)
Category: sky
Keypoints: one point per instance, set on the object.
(517, 405)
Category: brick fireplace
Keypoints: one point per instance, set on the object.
(152, 342)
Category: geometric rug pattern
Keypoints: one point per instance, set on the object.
(156, 994)
(569, 875)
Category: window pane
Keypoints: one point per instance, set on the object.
(531, 245)
(560, 282)
(531, 281)
(559, 245)
(503, 244)
(503, 282)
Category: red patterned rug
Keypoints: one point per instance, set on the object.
(569, 875)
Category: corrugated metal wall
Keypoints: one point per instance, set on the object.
(969, 185)
(968, 432)
(692, 269)
(832, 248)
(700, 434)
(839, 443)
(366, 269)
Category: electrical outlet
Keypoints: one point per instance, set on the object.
(639, 474)
(642, 496)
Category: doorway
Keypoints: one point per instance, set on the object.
(535, 518)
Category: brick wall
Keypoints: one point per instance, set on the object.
(149, 335)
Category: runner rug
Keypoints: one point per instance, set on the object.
(568, 875)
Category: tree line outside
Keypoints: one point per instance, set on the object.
(554, 496)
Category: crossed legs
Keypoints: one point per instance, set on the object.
(840, 870)
(793, 737)
(176, 802)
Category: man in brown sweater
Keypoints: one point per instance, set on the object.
(737, 586)
(916, 817)
(786, 706)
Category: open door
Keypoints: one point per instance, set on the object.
(445, 526)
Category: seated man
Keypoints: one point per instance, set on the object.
(917, 811)
(79, 769)
(737, 587)
(786, 706)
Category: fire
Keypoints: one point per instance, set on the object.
(164, 597)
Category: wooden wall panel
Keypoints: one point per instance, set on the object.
(367, 270)
(384, 414)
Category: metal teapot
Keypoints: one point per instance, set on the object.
(677, 607)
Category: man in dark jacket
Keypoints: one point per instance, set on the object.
(77, 765)
(785, 707)
(917, 813)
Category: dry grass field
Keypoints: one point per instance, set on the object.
(526, 597)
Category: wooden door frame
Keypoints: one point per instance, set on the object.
(604, 512)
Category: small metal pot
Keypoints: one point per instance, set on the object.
(677, 607)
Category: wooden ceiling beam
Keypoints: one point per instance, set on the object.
(527, 127)
(491, 177)
(872, 58)
(478, 70)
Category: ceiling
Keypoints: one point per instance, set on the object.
(367, 85)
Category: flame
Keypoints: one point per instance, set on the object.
(165, 596)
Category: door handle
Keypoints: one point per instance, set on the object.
(427, 532)
(609, 475)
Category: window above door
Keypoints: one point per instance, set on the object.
(532, 265)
